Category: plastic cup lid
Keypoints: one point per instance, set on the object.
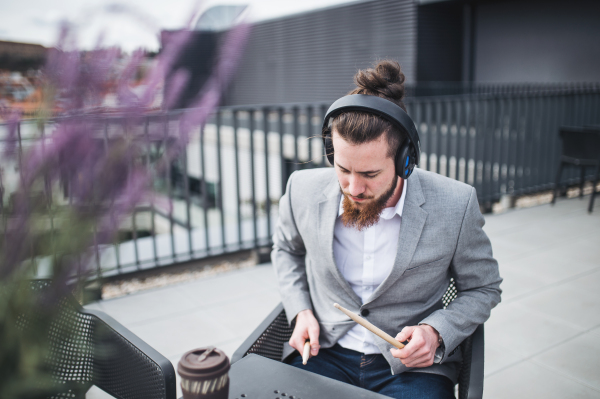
(203, 363)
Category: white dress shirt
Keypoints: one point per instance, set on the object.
(365, 258)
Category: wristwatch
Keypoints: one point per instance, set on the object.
(439, 352)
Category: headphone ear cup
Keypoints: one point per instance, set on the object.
(404, 162)
(328, 146)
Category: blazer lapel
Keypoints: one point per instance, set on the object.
(413, 220)
(328, 213)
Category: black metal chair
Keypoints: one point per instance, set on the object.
(269, 337)
(580, 148)
(104, 353)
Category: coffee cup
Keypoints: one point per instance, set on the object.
(204, 374)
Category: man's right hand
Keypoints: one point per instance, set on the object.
(307, 328)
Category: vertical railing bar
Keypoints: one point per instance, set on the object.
(117, 245)
(153, 174)
(449, 141)
(281, 129)
(22, 181)
(499, 123)
(309, 134)
(428, 140)
(253, 184)
(49, 202)
(438, 135)
(204, 189)
(479, 143)
(267, 191)
(506, 140)
(552, 137)
(492, 149)
(220, 202)
(134, 213)
(323, 110)
(169, 187)
(49, 189)
(521, 142)
(460, 120)
(544, 165)
(467, 138)
(536, 145)
(456, 141)
(417, 113)
(237, 177)
(186, 192)
(484, 152)
(135, 236)
(528, 143)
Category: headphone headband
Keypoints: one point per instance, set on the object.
(380, 107)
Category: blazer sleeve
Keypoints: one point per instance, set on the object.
(288, 257)
(477, 278)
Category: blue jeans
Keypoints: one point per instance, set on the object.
(372, 372)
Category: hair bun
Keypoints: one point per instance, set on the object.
(385, 80)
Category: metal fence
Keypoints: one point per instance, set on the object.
(224, 189)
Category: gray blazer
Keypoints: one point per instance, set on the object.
(440, 237)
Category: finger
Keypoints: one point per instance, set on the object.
(294, 343)
(297, 340)
(313, 334)
(420, 358)
(422, 362)
(408, 351)
(405, 334)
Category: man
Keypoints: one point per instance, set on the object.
(365, 235)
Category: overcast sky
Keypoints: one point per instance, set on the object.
(36, 21)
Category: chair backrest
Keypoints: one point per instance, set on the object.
(70, 341)
(125, 366)
(90, 348)
(580, 143)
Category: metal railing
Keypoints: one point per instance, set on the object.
(225, 187)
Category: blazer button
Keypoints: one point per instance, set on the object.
(364, 312)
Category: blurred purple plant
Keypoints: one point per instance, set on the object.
(95, 155)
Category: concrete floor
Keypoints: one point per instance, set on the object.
(542, 341)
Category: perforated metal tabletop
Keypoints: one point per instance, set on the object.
(258, 377)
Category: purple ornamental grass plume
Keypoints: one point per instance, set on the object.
(103, 176)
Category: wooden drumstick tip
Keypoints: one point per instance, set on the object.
(306, 352)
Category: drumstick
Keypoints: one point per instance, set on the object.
(375, 330)
(306, 352)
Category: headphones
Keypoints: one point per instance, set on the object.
(407, 156)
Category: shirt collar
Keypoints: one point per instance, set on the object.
(387, 213)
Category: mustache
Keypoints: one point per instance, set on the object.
(361, 196)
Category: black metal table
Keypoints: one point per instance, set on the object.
(258, 377)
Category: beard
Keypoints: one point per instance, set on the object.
(368, 215)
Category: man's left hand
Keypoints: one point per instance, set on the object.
(420, 350)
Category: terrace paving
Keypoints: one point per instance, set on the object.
(543, 340)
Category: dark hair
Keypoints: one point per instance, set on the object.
(384, 80)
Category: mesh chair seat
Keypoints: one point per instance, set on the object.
(269, 338)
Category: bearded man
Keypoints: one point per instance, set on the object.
(365, 235)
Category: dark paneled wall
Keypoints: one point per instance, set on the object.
(313, 56)
(538, 41)
(440, 42)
